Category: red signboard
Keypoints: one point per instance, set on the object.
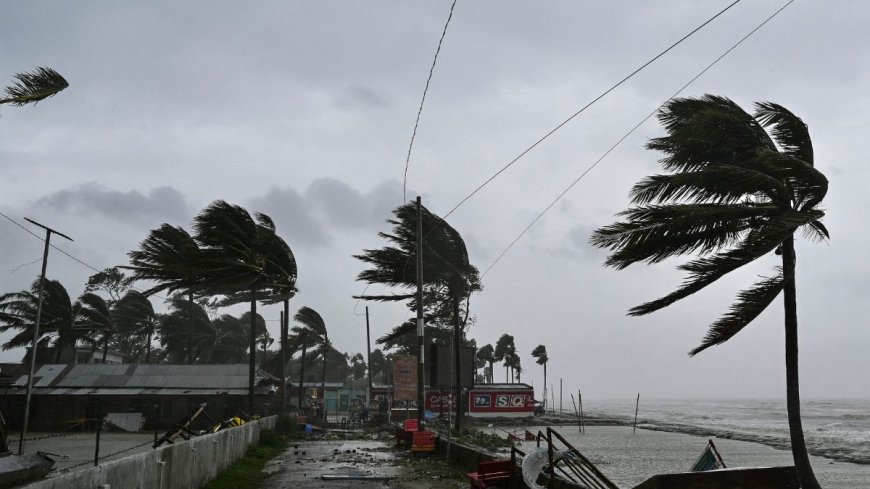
(495, 402)
(438, 401)
(405, 378)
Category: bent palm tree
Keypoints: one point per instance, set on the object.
(734, 194)
(311, 332)
(34, 86)
(96, 316)
(135, 316)
(60, 320)
(485, 356)
(246, 262)
(541, 358)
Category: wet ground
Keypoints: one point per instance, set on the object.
(372, 464)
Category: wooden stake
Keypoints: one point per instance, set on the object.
(636, 406)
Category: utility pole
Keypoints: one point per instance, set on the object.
(48, 232)
(283, 363)
(368, 356)
(421, 395)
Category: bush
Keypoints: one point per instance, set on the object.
(287, 426)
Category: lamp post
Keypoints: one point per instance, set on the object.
(48, 232)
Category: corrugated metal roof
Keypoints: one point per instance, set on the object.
(218, 377)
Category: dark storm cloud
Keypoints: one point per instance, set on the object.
(158, 204)
(326, 206)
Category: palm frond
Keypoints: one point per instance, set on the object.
(789, 130)
(715, 183)
(34, 86)
(655, 233)
(750, 303)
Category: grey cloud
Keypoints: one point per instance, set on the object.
(161, 203)
(360, 97)
(327, 204)
(292, 216)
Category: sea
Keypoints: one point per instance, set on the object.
(748, 432)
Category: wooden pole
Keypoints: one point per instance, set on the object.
(576, 413)
(368, 356)
(636, 406)
(560, 395)
(582, 420)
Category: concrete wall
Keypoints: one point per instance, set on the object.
(185, 465)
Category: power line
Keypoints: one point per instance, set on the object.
(629, 133)
(420, 110)
(582, 109)
(91, 267)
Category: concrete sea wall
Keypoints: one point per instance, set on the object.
(185, 465)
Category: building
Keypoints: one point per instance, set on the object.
(69, 396)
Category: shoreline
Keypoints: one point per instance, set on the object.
(835, 454)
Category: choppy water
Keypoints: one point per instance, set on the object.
(836, 429)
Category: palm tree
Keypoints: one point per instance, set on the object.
(734, 193)
(485, 356)
(179, 339)
(447, 273)
(503, 352)
(135, 318)
(245, 261)
(95, 315)
(34, 86)
(378, 365)
(311, 332)
(60, 320)
(541, 358)
(232, 342)
(172, 258)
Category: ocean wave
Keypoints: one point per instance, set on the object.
(835, 446)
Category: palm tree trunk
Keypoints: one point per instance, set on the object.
(284, 326)
(105, 347)
(148, 349)
(302, 370)
(456, 365)
(252, 356)
(323, 385)
(545, 385)
(793, 402)
(190, 332)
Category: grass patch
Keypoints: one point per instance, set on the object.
(247, 472)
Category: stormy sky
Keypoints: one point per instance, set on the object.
(304, 111)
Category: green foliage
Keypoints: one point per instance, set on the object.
(247, 472)
(288, 427)
(733, 194)
(449, 279)
(31, 87)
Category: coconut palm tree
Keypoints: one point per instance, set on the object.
(734, 193)
(485, 357)
(245, 261)
(31, 87)
(175, 332)
(60, 325)
(310, 333)
(95, 315)
(135, 318)
(447, 273)
(172, 258)
(504, 352)
(541, 358)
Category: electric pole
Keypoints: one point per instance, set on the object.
(48, 232)
(421, 405)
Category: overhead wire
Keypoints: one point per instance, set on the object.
(583, 109)
(630, 132)
(64, 252)
(422, 101)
